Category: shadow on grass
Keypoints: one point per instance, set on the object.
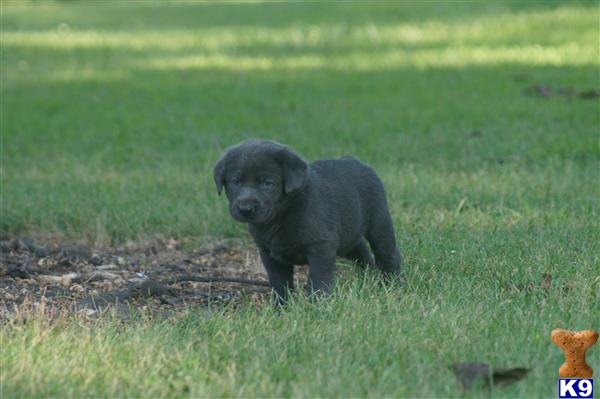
(153, 116)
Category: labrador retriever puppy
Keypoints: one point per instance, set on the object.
(307, 213)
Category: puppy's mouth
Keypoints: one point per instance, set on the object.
(243, 219)
(257, 217)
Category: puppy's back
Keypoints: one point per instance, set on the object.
(349, 183)
(348, 171)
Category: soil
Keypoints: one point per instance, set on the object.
(166, 276)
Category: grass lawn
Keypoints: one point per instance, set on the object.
(113, 113)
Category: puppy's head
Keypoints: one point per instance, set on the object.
(258, 177)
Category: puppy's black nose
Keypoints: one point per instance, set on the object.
(246, 209)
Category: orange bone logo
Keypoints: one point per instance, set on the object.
(574, 344)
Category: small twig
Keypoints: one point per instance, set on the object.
(155, 288)
(190, 277)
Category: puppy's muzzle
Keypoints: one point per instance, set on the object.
(246, 208)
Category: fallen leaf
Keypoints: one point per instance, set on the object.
(590, 94)
(567, 91)
(509, 376)
(540, 90)
(469, 374)
(546, 282)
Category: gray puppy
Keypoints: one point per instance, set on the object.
(301, 213)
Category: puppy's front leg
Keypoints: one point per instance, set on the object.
(321, 263)
(281, 275)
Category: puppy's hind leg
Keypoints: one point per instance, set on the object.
(380, 235)
(361, 254)
(321, 268)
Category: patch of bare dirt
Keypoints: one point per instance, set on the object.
(164, 276)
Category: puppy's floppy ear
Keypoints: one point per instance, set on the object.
(295, 171)
(219, 172)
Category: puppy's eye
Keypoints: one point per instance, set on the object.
(268, 184)
(235, 181)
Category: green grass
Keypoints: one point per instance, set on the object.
(363, 341)
(114, 113)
